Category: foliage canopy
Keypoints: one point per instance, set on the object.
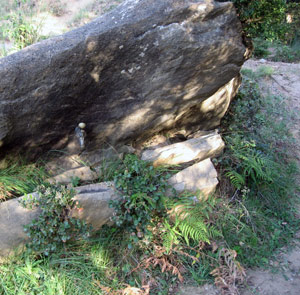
(267, 18)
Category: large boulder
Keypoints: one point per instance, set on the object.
(147, 66)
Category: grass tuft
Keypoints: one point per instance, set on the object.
(19, 178)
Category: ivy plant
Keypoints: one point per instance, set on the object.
(54, 226)
(143, 190)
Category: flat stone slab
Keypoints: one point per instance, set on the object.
(207, 146)
(83, 173)
(94, 209)
(200, 177)
(94, 200)
(13, 217)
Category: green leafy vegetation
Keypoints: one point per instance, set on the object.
(18, 29)
(143, 198)
(77, 270)
(274, 26)
(147, 201)
(162, 226)
(287, 53)
(54, 226)
(276, 50)
(19, 178)
(271, 20)
(265, 18)
(259, 167)
(21, 31)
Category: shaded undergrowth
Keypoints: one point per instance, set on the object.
(262, 174)
(277, 51)
(150, 250)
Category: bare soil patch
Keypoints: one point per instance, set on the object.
(52, 17)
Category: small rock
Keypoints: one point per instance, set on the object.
(202, 290)
(94, 203)
(199, 133)
(63, 163)
(13, 217)
(201, 177)
(156, 141)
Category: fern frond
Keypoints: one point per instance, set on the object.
(236, 179)
(170, 236)
(193, 229)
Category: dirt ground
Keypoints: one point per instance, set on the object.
(71, 14)
(55, 17)
(283, 276)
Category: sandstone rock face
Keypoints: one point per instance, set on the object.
(93, 209)
(200, 177)
(201, 148)
(83, 173)
(94, 203)
(147, 66)
(13, 217)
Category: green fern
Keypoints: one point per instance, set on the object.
(249, 164)
(236, 179)
(194, 229)
(190, 224)
(256, 166)
(170, 235)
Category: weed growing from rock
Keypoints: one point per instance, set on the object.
(54, 226)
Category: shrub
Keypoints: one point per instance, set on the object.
(54, 227)
(267, 19)
(143, 189)
(264, 18)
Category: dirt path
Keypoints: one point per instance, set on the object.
(283, 277)
(58, 24)
(285, 81)
(56, 17)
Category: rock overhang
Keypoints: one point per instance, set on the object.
(142, 68)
